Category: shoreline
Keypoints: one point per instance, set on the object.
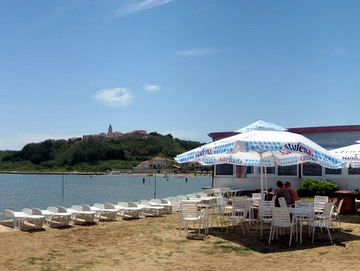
(180, 175)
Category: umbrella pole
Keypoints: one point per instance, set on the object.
(266, 184)
(261, 176)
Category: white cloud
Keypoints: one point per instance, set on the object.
(114, 97)
(196, 52)
(335, 51)
(131, 7)
(151, 88)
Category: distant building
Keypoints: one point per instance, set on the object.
(156, 163)
(111, 134)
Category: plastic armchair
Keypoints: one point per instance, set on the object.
(265, 213)
(190, 213)
(305, 217)
(336, 213)
(218, 211)
(280, 220)
(240, 211)
(282, 202)
(255, 201)
(319, 203)
(323, 220)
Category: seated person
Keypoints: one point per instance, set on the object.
(293, 194)
(282, 192)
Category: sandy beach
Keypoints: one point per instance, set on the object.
(153, 243)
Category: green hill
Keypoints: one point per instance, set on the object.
(93, 153)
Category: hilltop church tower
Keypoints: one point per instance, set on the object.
(110, 130)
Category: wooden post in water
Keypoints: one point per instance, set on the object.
(155, 187)
(63, 185)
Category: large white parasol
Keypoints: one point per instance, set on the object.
(262, 148)
(349, 154)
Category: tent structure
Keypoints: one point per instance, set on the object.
(261, 125)
(349, 154)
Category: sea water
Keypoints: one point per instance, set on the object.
(18, 191)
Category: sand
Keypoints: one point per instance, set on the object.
(153, 243)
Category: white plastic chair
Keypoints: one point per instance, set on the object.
(240, 211)
(336, 213)
(304, 217)
(282, 202)
(255, 201)
(323, 220)
(280, 220)
(175, 204)
(190, 213)
(218, 211)
(319, 203)
(265, 213)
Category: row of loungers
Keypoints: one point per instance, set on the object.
(76, 214)
(61, 216)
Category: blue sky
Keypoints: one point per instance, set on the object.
(184, 67)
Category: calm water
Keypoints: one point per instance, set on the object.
(19, 191)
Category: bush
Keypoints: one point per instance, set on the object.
(314, 187)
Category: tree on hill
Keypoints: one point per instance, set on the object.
(94, 153)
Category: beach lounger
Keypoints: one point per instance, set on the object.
(52, 214)
(130, 209)
(119, 211)
(101, 211)
(19, 218)
(166, 204)
(78, 213)
(154, 210)
(175, 204)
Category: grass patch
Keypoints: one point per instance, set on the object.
(236, 249)
(168, 227)
(169, 254)
(35, 260)
(228, 248)
(219, 242)
(182, 241)
(46, 263)
(79, 250)
(115, 263)
(209, 252)
(158, 241)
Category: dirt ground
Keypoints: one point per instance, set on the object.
(153, 243)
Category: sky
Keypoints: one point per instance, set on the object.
(188, 68)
